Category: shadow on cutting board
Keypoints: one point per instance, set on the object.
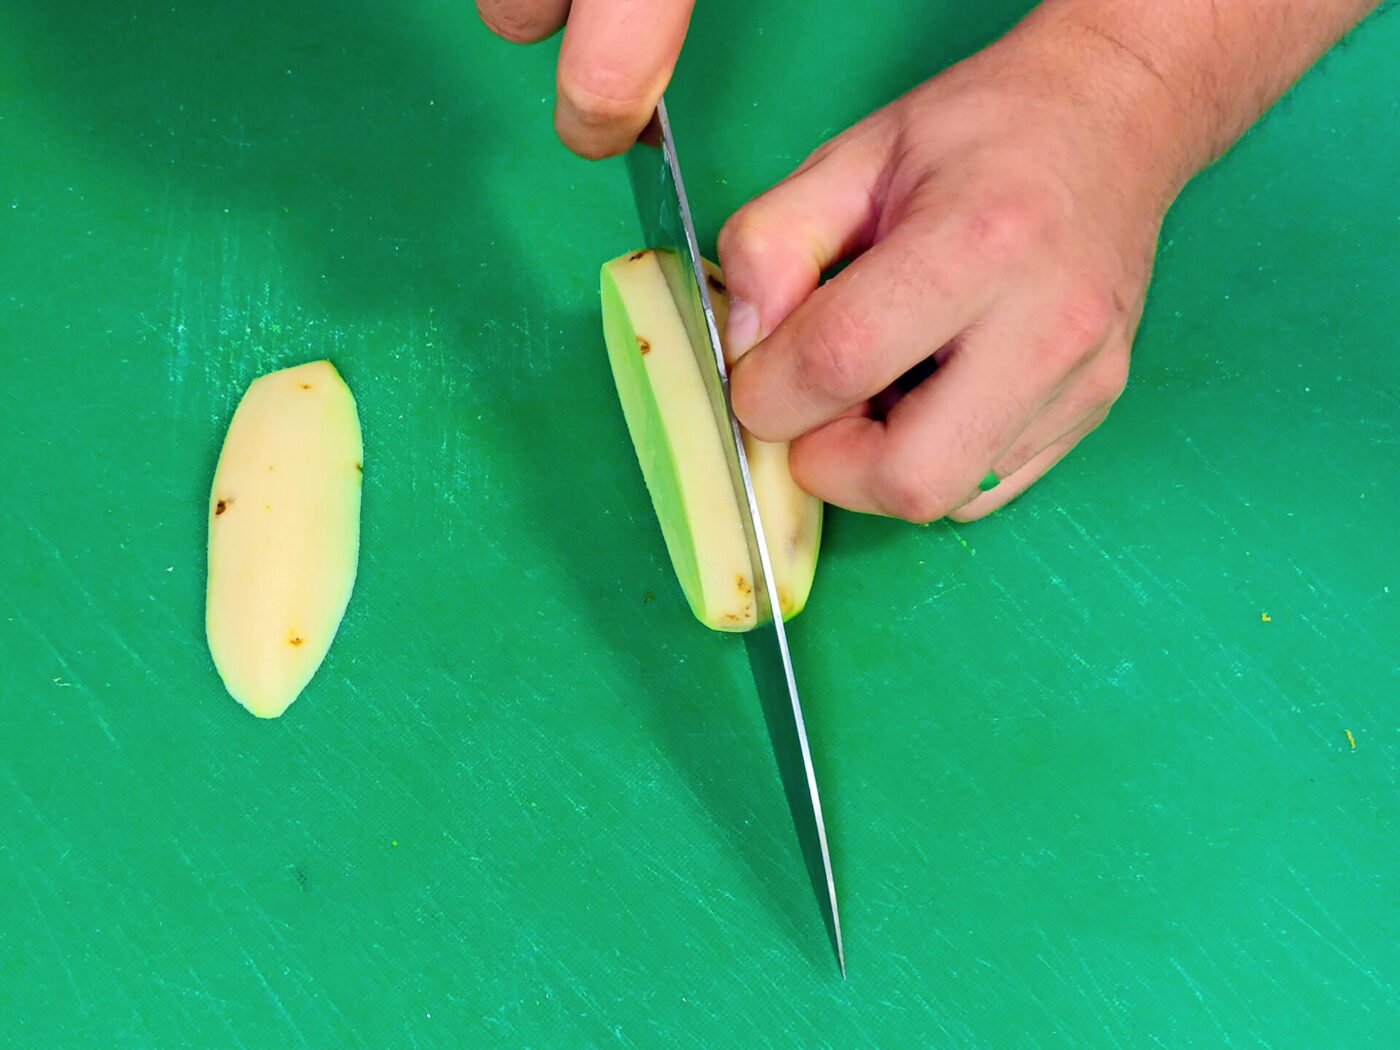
(335, 126)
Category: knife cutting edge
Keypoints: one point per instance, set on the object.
(667, 225)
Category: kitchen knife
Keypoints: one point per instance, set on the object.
(666, 223)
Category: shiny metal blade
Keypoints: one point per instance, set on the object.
(666, 223)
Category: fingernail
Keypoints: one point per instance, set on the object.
(741, 330)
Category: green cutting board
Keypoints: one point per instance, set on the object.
(1117, 767)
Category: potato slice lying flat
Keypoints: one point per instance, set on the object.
(679, 447)
(284, 534)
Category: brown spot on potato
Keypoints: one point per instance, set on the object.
(636, 255)
(715, 283)
(359, 466)
(296, 639)
(221, 506)
(306, 386)
(733, 617)
(643, 345)
(742, 582)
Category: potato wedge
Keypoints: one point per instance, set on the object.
(678, 445)
(792, 517)
(284, 534)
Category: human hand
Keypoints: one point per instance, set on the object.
(1002, 220)
(614, 61)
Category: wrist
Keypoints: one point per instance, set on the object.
(1205, 71)
(1132, 102)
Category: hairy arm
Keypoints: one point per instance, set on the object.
(1219, 63)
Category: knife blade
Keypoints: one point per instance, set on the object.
(664, 211)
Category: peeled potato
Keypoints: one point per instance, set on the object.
(679, 445)
(792, 517)
(284, 534)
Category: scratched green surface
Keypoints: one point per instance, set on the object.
(1116, 768)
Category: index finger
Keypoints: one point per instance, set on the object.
(896, 305)
(615, 61)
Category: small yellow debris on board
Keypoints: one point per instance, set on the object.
(1351, 739)
(284, 534)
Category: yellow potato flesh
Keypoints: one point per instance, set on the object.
(284, 534)
(792, 517)
(678, 444)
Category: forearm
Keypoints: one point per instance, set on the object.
(1193, 75)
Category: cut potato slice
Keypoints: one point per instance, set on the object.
(792, 517)
(284, 534)
(679, 446)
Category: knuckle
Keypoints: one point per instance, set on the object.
(747, 402)
(1088, 315)
(602, 97)
(743, 235)
(588, 145)
(1084, 321)
(1108, 379)
(805, 464)
(1007, 227)
(906, 494)
(1059, 356)
(832, 355)
(519, 24)
(821, 153)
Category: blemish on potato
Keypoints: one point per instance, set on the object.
(306, 386)
(296, 639)
(706, 546)
(221, 506)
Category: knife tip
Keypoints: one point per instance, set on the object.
(840, 949)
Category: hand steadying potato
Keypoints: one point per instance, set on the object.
(1002, 219)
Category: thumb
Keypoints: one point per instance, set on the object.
(775, 248)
